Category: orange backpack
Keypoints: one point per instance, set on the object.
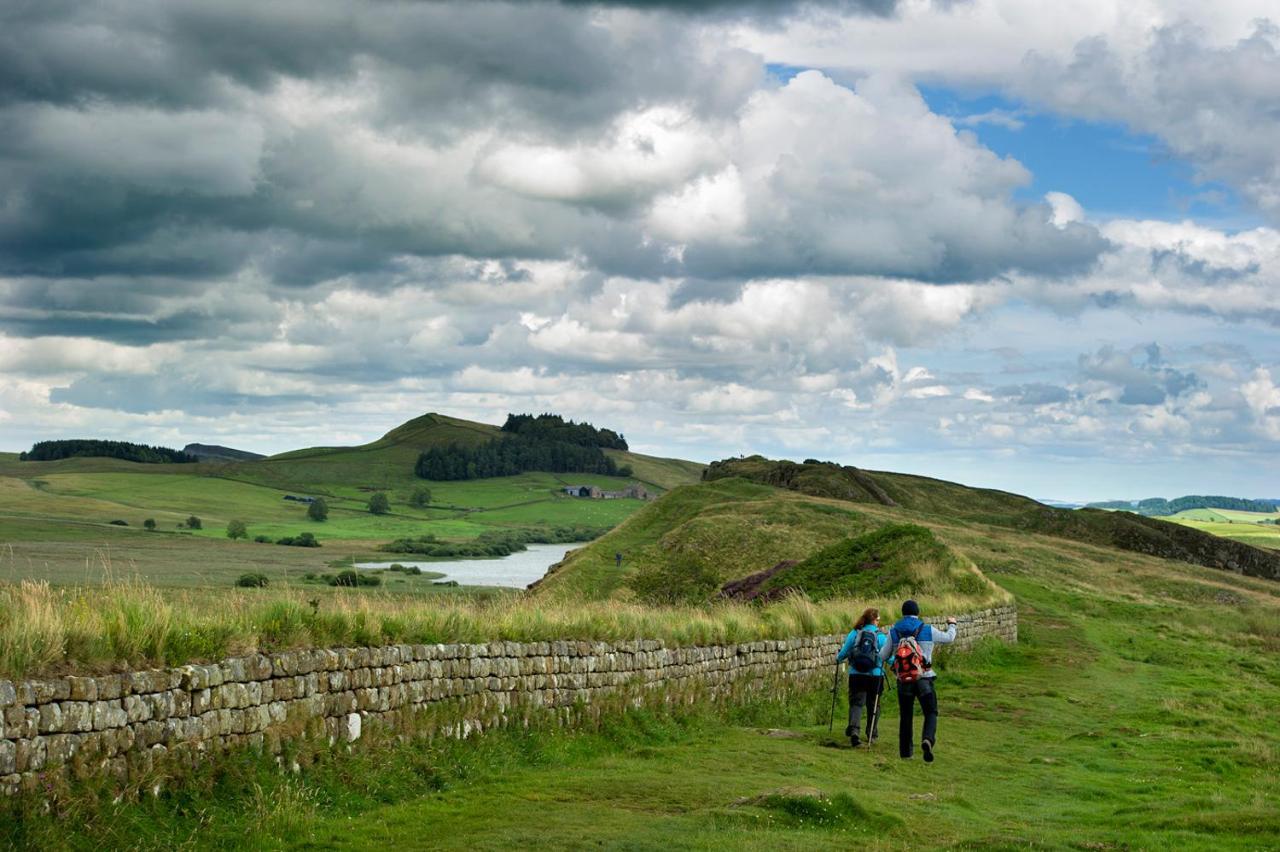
(908, 660)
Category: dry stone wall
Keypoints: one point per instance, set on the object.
(126, 726)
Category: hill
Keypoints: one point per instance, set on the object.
(60, 515)
(1123, 530)
(214, 452)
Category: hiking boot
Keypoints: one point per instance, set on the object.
(854, 741)
(927, 748)
(848, 731)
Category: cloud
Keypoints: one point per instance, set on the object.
(1147, 381)
(1210, 104)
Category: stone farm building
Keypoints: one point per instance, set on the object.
(635, 492)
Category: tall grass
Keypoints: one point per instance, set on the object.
(47, 629)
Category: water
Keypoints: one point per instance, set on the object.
(517, 570)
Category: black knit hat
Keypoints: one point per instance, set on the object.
(910, 607)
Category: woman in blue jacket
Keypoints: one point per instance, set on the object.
(866, 679)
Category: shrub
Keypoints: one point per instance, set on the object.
(194, 523)
(119, 523)
(318, 510)
(237, 529)
(305, 539)
(149, 523)
(379, 504)
(420, 498)
(405, 569)
(262, 539)
(252, 580)
(351, 579)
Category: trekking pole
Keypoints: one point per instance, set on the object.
(835, 691)
(875, 717)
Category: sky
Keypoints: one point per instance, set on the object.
(1021, 245)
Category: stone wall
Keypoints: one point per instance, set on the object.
(126, 726)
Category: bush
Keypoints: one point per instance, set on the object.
(262, 539)
(405, 569)
(379, 504)
(351, 579)
(420, 498)
(194, 523)
(318, 510)
(252, 581)
(305, 539)
(237, 529)
(119, 523)
(149, 523)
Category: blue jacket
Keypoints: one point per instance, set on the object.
(847, 650)
(927, 638)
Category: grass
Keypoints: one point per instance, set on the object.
(55, 517)
(1239, 526)
(1133, 714)
(130, 624)
(738, 526)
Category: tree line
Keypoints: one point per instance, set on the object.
(1158, 506)
(512, 455)
(553, 427)
(54, 450)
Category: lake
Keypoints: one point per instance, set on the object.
(517, 570)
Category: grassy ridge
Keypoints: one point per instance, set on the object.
(738, 527)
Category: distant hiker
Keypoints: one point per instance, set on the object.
(910, 646)
(617, 558)
(866, 677)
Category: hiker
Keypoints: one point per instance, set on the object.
(866, 677)
(910, 646)
(617, 558)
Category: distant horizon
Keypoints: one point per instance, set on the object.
(661, 453)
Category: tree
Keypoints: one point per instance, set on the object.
(149, 523)
(379, 504)
(318, 510)
(237, 529)
(193, 523)
(420, 498)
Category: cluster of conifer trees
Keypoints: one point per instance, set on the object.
(53, 450)
(546, 442)
(512, 455)
(553, 427)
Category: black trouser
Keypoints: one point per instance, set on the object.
(907, 694)
(864, 689)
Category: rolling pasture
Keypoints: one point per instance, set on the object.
(56, 517)
(1228, 523)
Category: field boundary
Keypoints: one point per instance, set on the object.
(134, 727)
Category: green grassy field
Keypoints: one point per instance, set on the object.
(1135, 713)
(1227, 523)
(55, 517)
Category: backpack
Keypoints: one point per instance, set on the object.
(908, 660)
(866, 655)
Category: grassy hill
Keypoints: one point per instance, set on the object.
(55, 517)
(937, 498)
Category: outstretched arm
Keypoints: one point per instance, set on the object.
(945, 638)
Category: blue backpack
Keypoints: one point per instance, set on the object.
(866, 654)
